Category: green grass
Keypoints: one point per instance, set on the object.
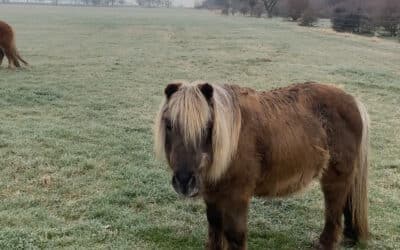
(76, 162)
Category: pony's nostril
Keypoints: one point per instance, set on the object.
(175, 181)
(192, 181)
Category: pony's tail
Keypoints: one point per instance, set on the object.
(20, 58)
(358, 197)
(15, 54)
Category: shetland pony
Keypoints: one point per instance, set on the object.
(228, 143)
(8, 48)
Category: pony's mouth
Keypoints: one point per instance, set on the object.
(190, 193)
(195, 192)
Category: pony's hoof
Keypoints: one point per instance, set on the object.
(319, 246)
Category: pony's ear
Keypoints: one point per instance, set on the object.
(171, 88)
(207, 90)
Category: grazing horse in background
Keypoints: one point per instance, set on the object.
(228, 143)
(8, 48)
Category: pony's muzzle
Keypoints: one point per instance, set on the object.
(185, 184)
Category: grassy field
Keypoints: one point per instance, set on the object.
(76, 163)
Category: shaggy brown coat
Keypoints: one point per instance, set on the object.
(8, 48)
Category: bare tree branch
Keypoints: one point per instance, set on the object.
(270, 5)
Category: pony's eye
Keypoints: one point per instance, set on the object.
(209, 132)
(168, 126)
(210, 127)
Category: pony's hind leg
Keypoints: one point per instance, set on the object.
(335, 196)
(349, 232)
(15, 59)
(10, 57)
(1, 56)
(336, 185)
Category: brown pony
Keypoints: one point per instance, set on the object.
(228, 143)
(7, 46)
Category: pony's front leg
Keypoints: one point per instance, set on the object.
(235, 224)
(227, 225)
(215, 230)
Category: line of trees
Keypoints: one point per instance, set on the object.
(154, 3)
(246, 7)
(358, 16)
(298, 10)
(367, 18)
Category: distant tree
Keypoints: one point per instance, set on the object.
(321, 8)
(226, 7)
(235, 6)
(269, 5)
(225, 11)
(212, 4)
(296, 8)
(347, 19)
(168, 3)
(255, 7)
(141, 3)
(154, 3)
(252, 4)
(258, 9)
(389, 17)
(335, 2)
(308, 18)
(244, 9)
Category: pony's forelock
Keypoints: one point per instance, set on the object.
(186, 109)
(190, 111)
(159, 133)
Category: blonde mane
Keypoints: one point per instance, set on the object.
(188, 109)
